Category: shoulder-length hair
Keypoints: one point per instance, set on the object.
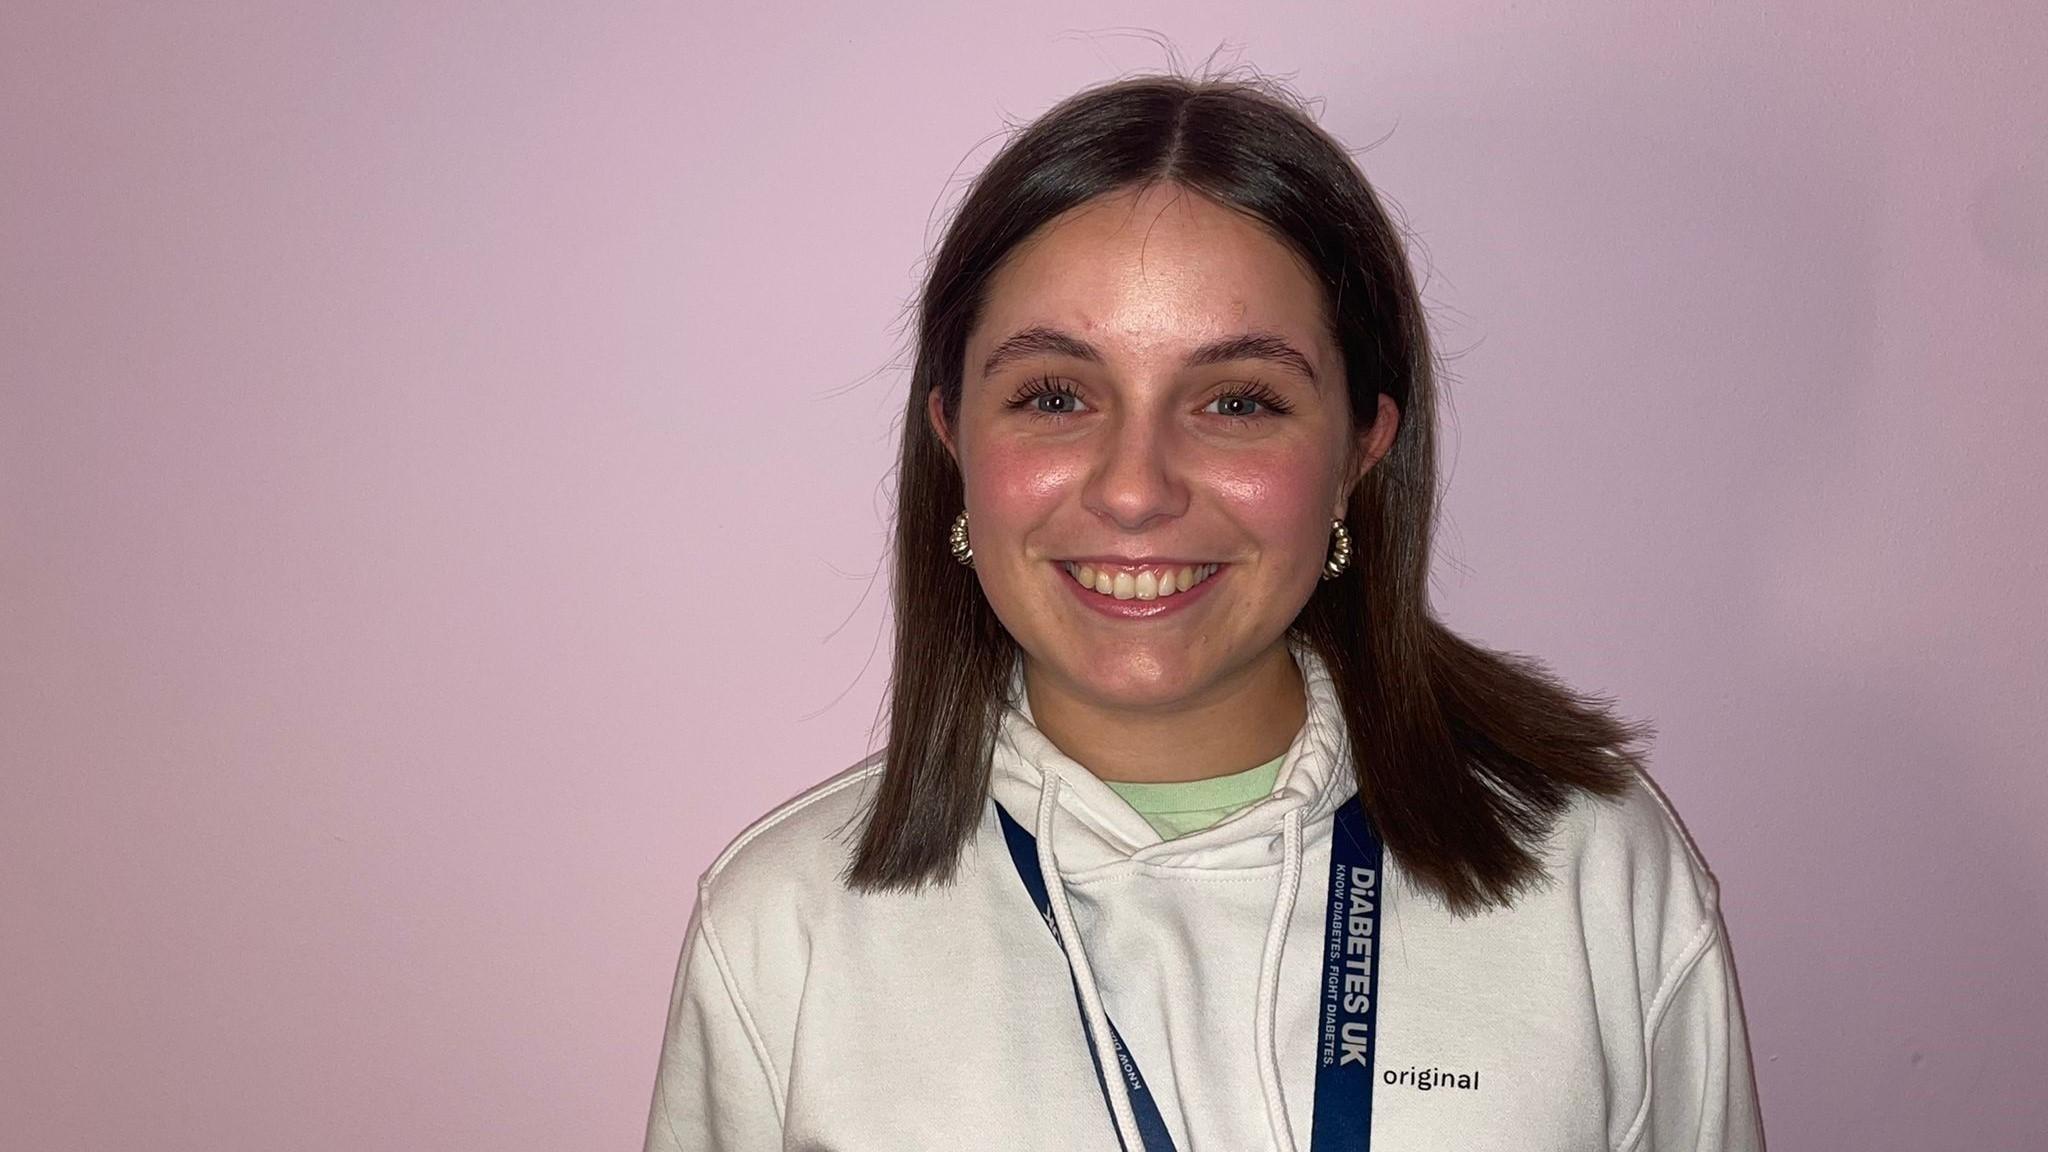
(1465, 756)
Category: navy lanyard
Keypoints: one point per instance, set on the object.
(1349, 1033)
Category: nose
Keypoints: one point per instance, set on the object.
(1136, 478)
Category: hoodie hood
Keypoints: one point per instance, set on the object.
(1096, 832)
(1094, 827)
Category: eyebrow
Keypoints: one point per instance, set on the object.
(1039, 340)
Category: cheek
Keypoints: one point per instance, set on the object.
(1281, 499)
(1016, 484)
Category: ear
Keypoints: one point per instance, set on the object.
(1372, 444)
(935, 411)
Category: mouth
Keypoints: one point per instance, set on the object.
(1138, 581)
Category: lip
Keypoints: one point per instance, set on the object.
(1134, 609)
(1135, 561)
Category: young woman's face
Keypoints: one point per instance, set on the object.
(1150, 392)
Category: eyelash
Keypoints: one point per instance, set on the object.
(1047, 386)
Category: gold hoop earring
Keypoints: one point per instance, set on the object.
(1340, 551)
(961, 550)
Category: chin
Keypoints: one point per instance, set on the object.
(1136, 675)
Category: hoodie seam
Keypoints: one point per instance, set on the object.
(739, 1004)
(1689, 962)
(786, 811)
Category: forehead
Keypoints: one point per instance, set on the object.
(1155, 269)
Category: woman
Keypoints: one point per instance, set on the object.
(1194, 828)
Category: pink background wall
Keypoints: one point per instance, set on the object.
(442, 499)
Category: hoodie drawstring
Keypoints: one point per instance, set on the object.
(1266, 1010)
(1264, 1023)
(1091, 997)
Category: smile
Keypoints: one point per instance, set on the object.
(1138, 583)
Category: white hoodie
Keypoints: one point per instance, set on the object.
(1599, 1012)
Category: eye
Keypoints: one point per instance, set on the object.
(1045, 388)
(1241, 400)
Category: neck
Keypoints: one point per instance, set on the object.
(1235, 724)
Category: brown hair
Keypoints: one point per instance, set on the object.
(1465, 756)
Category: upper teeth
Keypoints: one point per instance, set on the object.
(1140, 583)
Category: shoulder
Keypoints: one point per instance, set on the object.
(802, 844)
(1628, 861)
